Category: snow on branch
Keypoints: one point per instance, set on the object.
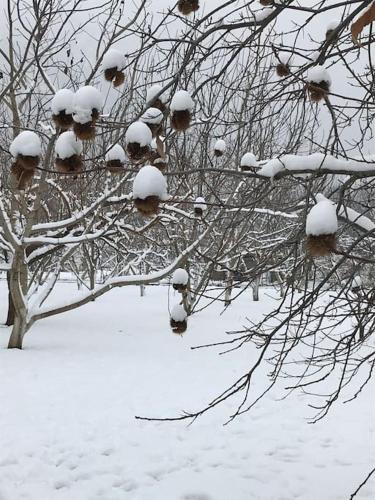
(39, 252)
(7, 228)
(359, 220)
(316, 162)
(266, 211)
(79, 216)
(68, 240)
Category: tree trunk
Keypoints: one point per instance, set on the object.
(281, 283)
(18, 288)
(92, 277)
(256, 290)
(11, 311)
(142, 288)
(18, 333)
(228, 289)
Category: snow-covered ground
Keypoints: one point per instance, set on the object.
(68, 401)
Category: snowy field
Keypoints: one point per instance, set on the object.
(68, 402)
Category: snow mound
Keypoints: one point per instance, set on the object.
(149, 182)
(249, 160)
(261, 15)
(182, 101)
(116, 152)
(322, 218)
(68, 145)
(178, 313)
(26, 143)
(140, 133)
(200, 203)
(153, 116)
(152, 92)
(85, 100)
(113, 59)
(220, 145)
(180, 277)
(318, 74)
(271, 168)
(62, 101)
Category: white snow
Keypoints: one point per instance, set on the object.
(85, 100)
(180, 277)
(322, 218)
(154, 91)
(113, 59)
(261, 15)
(272, 167)
(67, 422)
(318, 74)
(178, 313)
(153, 116)
(140, 133)
(182, 101)
(116, 152)
(62, 101)
(200, 202)
(26, 143)
(220, 145)
(149, 182)
(68, 145)
(249, 160)
(356, 218)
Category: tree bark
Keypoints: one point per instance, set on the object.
(11, 311)
(92, 278)
(18, 277)
(142, 287)
(256, 290)
(281, 283)
(228, 289)
(18, 333)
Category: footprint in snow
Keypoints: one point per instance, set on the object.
(129, 486)
(59, 485)
(108, 452)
